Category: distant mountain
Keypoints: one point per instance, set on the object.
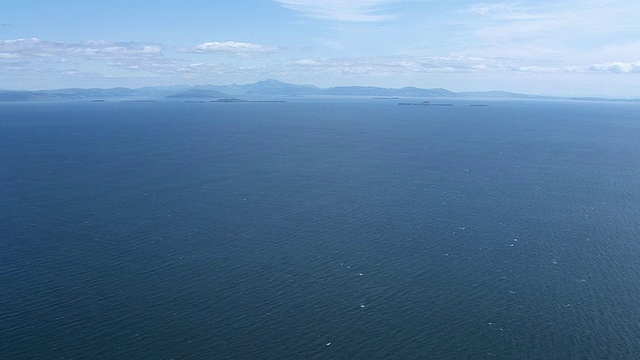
(198, 94)
(10, 95)
(265, 87)
(275, 87)
(70, 94)
(503, 94)
(268, 87)
(376, 91)
(602, 99)
(233, 89)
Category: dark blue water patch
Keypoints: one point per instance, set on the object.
(319, 229)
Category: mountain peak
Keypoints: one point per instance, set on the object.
(270, 82)
(268, 87)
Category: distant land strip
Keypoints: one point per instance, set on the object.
(270, 87)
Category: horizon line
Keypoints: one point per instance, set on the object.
(187, 86)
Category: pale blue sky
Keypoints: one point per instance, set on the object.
(574, 47)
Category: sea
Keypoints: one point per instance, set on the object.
(320, 228)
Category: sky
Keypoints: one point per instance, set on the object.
(560, 47)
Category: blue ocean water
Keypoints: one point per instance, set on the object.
(315, 228)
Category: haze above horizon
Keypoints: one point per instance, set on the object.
(568, 48)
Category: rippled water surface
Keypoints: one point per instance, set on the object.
(320, 229)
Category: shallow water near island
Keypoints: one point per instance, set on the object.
(318, 228)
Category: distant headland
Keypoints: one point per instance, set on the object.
(265, 88)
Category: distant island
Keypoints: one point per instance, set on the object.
(425, 103)
(197, 94)
(266, 88)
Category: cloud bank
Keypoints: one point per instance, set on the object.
(235, 48)
(94, 49)
(617, 67)
(339, 10)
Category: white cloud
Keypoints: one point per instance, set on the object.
(24, 71)
(378, 67)
(570, 22)
(390, 66)
(158, 66)
(374, 66)
(510, 11)
(8, 56)
(107, 49)
(539, 69)
(617, 67)
(231, 47)
(39, 48)
(329, 43)
(342, 10)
